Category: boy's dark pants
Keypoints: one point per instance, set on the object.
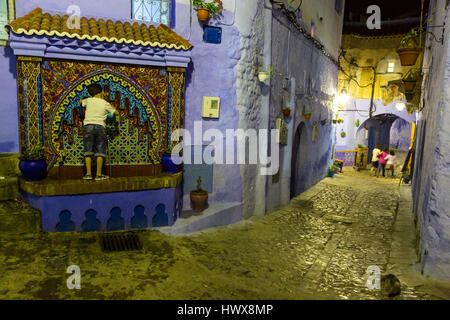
(94, 138)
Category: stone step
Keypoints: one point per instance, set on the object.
(9, 172)
(9, 165)
(18, 217)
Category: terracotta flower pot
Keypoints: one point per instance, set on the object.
(409, 85)
(287, 112)
(409, 96)
(199, 200)
(408, 56)
(308, 116)
(203, 14)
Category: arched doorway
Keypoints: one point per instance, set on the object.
(298, 161)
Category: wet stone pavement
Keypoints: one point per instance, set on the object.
(318, 247)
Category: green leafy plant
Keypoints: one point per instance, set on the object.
(199, 183)
(343, 134)
(214, 7)
(410, 40)
(340, 120)
(413, 75)
(35, 153)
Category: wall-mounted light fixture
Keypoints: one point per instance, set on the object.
(343, 97)
(400, 106)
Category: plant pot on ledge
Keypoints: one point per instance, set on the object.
(168, 165)
(32, 163)
(203, 14)
(33, 170)
(199, 198)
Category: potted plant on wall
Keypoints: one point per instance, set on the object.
(410, 80)
(409, 48)
(205, 9)
(343, 134)
(167, 162)
(32, 163)
(287, 112)
(307, 114)
(199, 197)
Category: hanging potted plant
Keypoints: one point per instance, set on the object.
(357, 123)
(409, 48)
(343, 134)
(199, 197)
(410, 80)
(205, 9)
(307, 114)
(340, 120)
(32, 163)
(287, 112)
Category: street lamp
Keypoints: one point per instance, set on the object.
(400, 106)
(343, 97)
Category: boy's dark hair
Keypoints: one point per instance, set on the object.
(386, 150)
(94, 89)
(392, 153)
(378, 146)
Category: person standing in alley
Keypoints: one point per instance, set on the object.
(382, 165)
(390, 162)
(375, 152)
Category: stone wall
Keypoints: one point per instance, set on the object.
(431, 181)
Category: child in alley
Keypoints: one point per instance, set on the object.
(390, 162)
(382, 158)
(375, 160)
(94, 129)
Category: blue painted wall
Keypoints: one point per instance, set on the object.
(431, 182)
(9, 122)
(211, 73)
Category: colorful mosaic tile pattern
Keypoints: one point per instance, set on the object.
(30, 102)
(140, 93)
(176, 96)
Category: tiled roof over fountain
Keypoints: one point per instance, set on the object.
(38, 23)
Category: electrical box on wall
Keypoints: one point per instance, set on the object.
(211, 107)
(212, 34)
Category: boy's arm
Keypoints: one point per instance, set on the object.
(111, 109)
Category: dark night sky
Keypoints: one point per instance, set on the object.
(390, 9)
(398, 16)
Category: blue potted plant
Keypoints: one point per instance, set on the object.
(32, 163)
(168, 165)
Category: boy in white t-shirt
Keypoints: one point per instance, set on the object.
(94, 129)
(375, 159)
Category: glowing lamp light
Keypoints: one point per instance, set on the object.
(343, 97)
(400, 106)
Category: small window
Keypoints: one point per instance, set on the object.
(4, 18)
(391, 66)
(156, 11)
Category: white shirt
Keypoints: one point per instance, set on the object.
(375, 152)
(390, 159)
(96, 111)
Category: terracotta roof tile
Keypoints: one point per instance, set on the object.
(38, 23)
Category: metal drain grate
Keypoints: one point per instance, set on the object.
(120, 242)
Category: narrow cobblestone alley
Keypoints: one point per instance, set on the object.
(319, 247)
